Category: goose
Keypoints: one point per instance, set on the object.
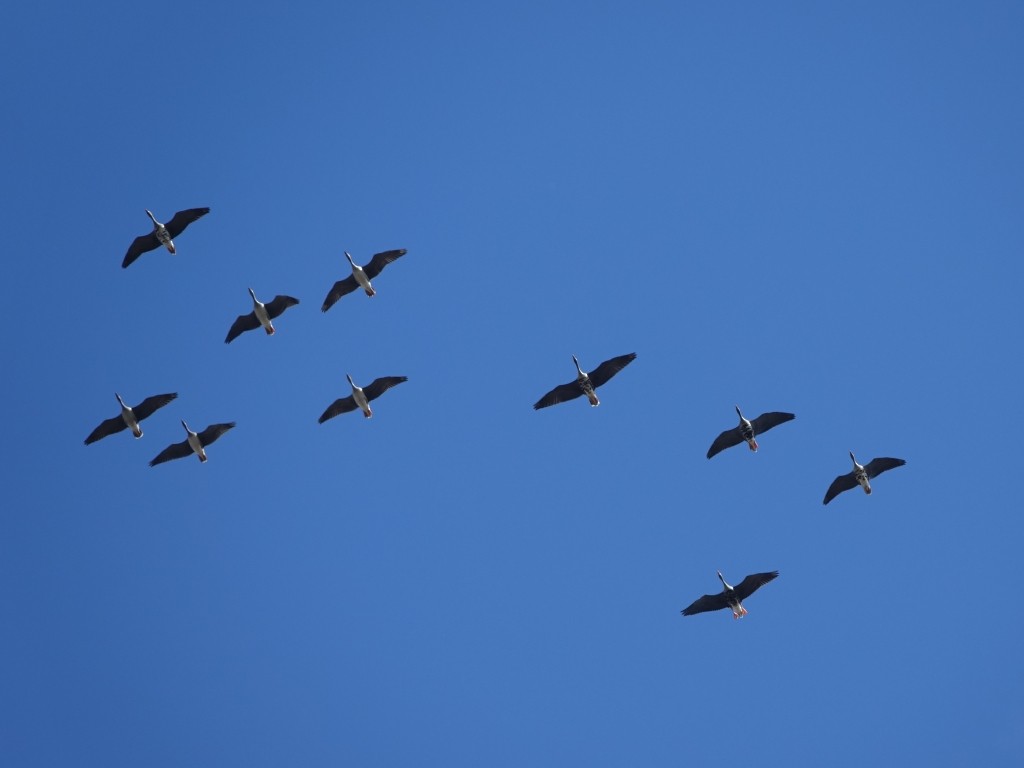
(261, 314)
(162, 234)
(585, 383)
(747, 430)
(361, 276)
(730, 597)
(130, 417)
(361, 397)
(194, 443)
(860, 475)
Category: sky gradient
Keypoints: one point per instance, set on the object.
(787, 207)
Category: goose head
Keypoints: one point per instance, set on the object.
(349, 257)
(120, 400)
(151, 216)
(854, 460)
(352, 383)
(577, 362)
(724, 582)
(253, 294)
(186, 427)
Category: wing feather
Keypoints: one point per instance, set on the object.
(609, 368)
(209, 435)
(560, 394)
(173, 451)
(244, 323)
(147, 407)
(875, 467)
(107, 427)
(706, 603)
(182, 219)
(766, 421)
(279, 305)
(727, 439)
(749, 585)
(339, 289)
(139, 246)
(839, 485)
(381, 260)
(338, 407)
(379, 386)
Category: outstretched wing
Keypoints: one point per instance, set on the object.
(147, 407)
(875, 467)
(339, 406)
(173, 451)
(766, 421)
(279, 305)
(749, 585)
(108, 427)
(339, 289)
(559, 394)
(139, 246)
(381, 260)
(379, 386)
(182, 219)
(706, 603)
(212, 432)
(839, 485)
(727, 439)
(609, 368)
(244, 323)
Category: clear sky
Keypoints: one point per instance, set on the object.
(777, 205)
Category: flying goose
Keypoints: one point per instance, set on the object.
(261, 314)
(860, 475)
(361, 397)
(162, 234)
(194, 443)
(130, 417)
(747, 430)
(361, 276)
(730, 597)
(585, 383)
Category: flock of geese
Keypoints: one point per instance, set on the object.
(585, 384)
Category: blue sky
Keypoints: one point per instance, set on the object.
(785, 207)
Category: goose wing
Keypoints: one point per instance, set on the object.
(338, 407)
(279, 305)
(875, 467)
(749, 585)
(139, 246)
(244, 323)
(766, 421)
(147, 407)
(839, 485)
(559, 394)
(173, 451)
(609, 368)
(706, 603)
(727, 439)
(182, 219)
(339, 289)
(209, 435)
(379, 386)
(108, 427)
(381, 260)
